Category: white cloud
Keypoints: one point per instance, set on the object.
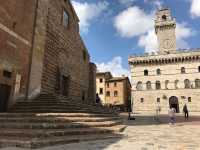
(133, 22)
(182, 33)
(87, 12)
(149, 40)
(114, 66)
(157, 3)
(126, 2)
(195, 8)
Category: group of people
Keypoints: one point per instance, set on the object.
(172, 112)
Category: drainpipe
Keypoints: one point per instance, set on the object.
(31, 49)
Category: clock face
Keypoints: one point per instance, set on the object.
(167, 43)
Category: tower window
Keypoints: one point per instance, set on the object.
(164, 17)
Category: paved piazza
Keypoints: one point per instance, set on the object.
(147, 134)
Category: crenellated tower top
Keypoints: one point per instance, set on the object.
(165, 26)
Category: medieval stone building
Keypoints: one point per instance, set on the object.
(169, 78)
(41, 52)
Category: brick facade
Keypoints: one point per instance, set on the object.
(57, 54)
(16, 26)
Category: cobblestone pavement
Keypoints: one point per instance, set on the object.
(145, 133)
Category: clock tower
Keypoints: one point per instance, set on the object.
(165, 27)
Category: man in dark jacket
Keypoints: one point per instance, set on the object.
(185, 110)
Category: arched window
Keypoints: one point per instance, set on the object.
(182, 69)
(176, 84)
(166, 84)
(158, 85)
(139, 85)
(146, 72)
(148, 85)
(187, 83)
(164, 17)
(158, 71)
(197, 83)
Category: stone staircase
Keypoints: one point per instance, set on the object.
(47, 121)
(51, 103)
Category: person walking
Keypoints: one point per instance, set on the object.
(171, 113)
(158, 110)
(98, 100)
(185, 110)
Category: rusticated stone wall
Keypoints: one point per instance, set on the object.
(59, 49)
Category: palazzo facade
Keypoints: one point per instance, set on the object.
(170, 78)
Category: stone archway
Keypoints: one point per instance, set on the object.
(173, 102)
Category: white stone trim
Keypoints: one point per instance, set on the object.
(12, 33)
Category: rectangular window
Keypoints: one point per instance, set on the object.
(115, 93)
(107, 85)
(65, 19)
(108, 93)
(142, 100)
(158, 100)
(101, 91)
(7, 74)
(189, 99)
(100, 80)
(115, 84)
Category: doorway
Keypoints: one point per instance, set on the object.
(173, 103)
(4, 97)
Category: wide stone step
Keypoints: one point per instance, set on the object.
(38, 133)
(9, 115)
(56, 111)
(41, 142)
(56, 119)
(55, 106)
(18, 125)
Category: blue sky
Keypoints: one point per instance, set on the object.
(115, 29)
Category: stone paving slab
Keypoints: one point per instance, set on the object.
(144, 134)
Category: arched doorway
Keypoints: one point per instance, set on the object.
(173, 102)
